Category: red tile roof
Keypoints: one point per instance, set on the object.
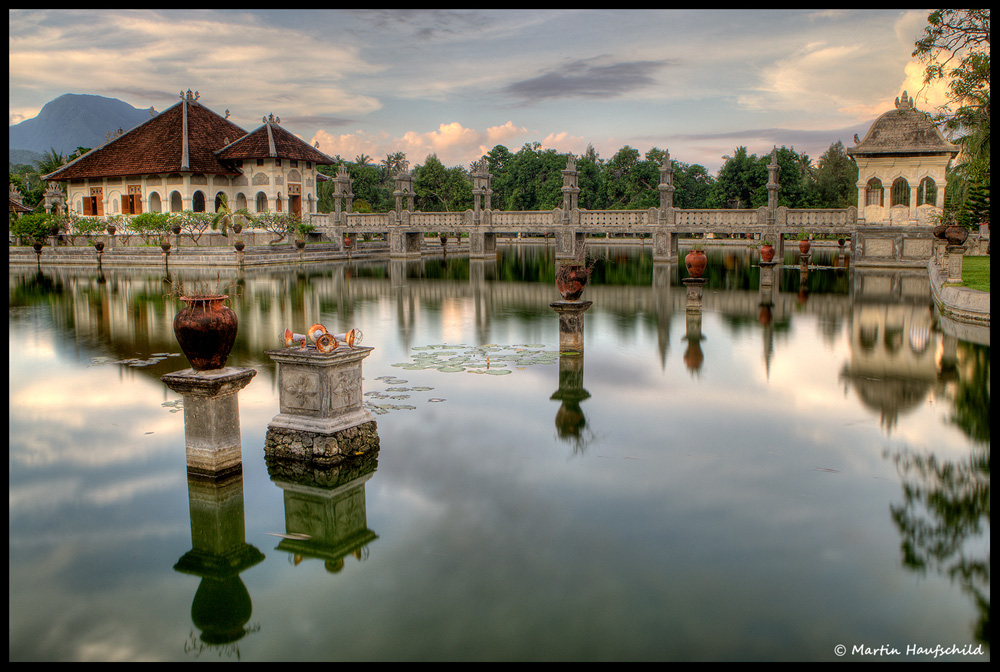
(158, 146)
(273, 141)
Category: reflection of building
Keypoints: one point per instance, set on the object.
(901, 167)
(187, 158)
(893, 358)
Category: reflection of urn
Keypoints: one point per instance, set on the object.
(570, 421)
(571, 280)
(221, 607)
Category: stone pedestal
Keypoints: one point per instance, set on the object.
(571, 324)
(321, 413)
(211, 417)
(953, 262)
(695, 291)
(767, 273)
(804, 260)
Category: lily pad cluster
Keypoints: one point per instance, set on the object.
(154, 358)
(490, 359)
(380, 403)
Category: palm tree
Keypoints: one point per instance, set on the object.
(362, 159)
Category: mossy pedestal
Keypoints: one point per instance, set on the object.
(321, 413)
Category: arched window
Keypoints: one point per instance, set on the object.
(218, 200)
(176, 202)
(198, 202)
(874, 193)
(154, 202)
(927, 192)
(261, 201)
(900, 192)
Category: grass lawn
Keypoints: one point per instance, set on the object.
(976, 273)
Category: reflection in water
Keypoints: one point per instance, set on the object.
(325, 509)
(715, 479)
(219, 553)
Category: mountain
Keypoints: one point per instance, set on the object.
(74, 120)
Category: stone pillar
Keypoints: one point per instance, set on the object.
(695, 290)
(767, 272)
(482, 244)
(211, 418)
(571, 324)
(953, 259)
(321, 414)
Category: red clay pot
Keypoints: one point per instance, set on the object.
(767, 252)
(206, 331)
(695, 261)
(804, 246)
(571, 280)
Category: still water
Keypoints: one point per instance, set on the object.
(748, 482)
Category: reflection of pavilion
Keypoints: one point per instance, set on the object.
(219, 553)
(893, 358)
(325, 513)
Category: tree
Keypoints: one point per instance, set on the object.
(836, 178)
(956, 48)
(438, 188)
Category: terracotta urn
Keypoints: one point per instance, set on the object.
(111, 229)
(939, 231)
(99, 246)
(956, 235)
(804, 246)
(767, 252)
(300, 244)
(695, 262)
(165, 246)
(571, 280)
(206, 331)
(239, 245)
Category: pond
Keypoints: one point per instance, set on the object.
(748, 482)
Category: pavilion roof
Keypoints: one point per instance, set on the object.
(182, 138)
(905, 130)
(272, 141)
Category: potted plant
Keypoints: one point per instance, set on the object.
(302, 231)
(804, 243)
(225, 217)
(766, 249)
(696, 261)
(205, 328)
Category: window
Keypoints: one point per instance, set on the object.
(94, 205)
(132, 203)
(927, 192)
(874, 193)
(900, 192)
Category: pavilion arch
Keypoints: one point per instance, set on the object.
(927, 192)
(219, 198)
(261, 201)
(900, 192)
(241, 201)
(155, 205)
(874, 192)
(198, 201)
(176, 202)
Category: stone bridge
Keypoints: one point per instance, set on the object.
(569, 225)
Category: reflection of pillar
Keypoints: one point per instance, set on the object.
(211, 417)
(325, 510)
(693, 356)
(570, 421)
(571, 324)
(219, 553)
(321, 415)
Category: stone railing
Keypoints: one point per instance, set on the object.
(729, 218)
(612, 218)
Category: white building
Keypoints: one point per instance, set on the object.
(187, 158)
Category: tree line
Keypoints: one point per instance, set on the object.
(531, 179)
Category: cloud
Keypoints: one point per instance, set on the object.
(453, 143)
(587, 79)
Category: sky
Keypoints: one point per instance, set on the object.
(456, 83)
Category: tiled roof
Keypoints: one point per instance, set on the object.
(273, 141)
(158, 146)
(905, 130)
